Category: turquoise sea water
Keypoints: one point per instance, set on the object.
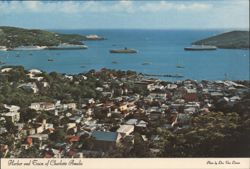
(161, 50)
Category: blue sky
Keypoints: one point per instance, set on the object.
(178, 14)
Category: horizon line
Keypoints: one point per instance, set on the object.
(94, 28)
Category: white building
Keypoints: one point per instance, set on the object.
(125, 130)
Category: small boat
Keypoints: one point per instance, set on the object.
(94, 37)
(200, 47)
(82, 66)
(177, 75)
(179, 66)
(2, 63)
(114, 62)
(125, 50)
(145, 63)
(50, 60)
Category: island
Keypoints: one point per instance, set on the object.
(228, 40)
(13, 37)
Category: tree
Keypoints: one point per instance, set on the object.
(57, 136)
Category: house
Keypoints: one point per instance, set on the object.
(45, 84)
(216, 94)
(143, 84)
(35, 71)
(158, 95)
(68, 77)
(29, 87)
(155, 115)
(137, 123)
(125, 130)
(38, 137)
(190, 95)
(13, 116)
(12, 108)
(141, 124)
(190, 110)
(171, 86)
(45, 106)
(132, 122)
(35, 106)
(105, 141)
(123, 107)
(71, 106)
(5, 70)
(3, 130)
(88, 101)
(71, 125)
(39, 128)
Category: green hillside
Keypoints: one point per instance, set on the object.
(228, 40)
(13, 37)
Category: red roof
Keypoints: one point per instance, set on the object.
(73, 138)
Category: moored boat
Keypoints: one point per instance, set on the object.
(179, 66)
(3, 48)
(200, 47)
(125, 50)
(67, 46)
(29, 48)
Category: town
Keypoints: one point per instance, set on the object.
(114, 113)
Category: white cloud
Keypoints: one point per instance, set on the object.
(164, 6)
(98, 6)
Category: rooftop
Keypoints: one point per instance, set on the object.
(105, 136)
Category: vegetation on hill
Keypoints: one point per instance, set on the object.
(14, 37)
(228, 40)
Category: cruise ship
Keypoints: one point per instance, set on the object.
(200, 47)
(30, 48)
(3, 48)
(125, 50)
(68, 46)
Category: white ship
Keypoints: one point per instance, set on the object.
(200, 47)
(68, 46)
(3, 48)
(30, 48)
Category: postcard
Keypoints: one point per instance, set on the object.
(137, 84)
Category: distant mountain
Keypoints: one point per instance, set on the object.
(14, 37)
(228, 40)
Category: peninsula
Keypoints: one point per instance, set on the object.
(13, 37)
(228, 40)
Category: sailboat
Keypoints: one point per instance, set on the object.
(180, 66)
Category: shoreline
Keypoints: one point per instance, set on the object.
(178, 77)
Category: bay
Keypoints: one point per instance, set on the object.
(159, 52)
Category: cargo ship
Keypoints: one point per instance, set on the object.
(125, 50)
(200, 47)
